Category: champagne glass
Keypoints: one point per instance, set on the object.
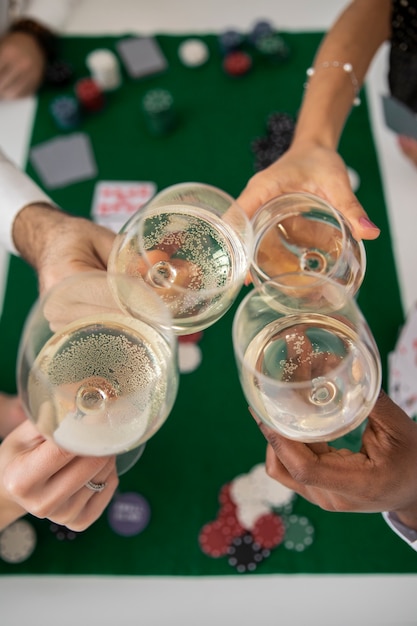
(192, 244)
(93, 379)
(308, 363)
(301, 232)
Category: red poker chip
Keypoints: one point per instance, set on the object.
(269, 530)
(231, 525)
(237, 63)
(225, 495)
(191, 338)
(213, 539)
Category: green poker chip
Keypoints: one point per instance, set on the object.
(158, 107)
(299, 533)
(273, 47)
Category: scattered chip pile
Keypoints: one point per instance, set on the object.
(255, 517)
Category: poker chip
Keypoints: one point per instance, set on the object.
(230, 40)
(62, 532)
(245, 554)
(191, 338)
(215, 538)
(237, 63)
(193, 52)
(272, 47)
(17, 542)
(249, 512)
(89, 94)
(299, 533)
(129, 514)
(158, 108)
(104, 68)
(58, 73)
(269, 490)
(269, 530)
(353, 179)
(241, 489)
(189, 357)
(267, 149)
(261, 28)
(65, 111)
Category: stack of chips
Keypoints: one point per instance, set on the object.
(237, 63)
(65, 111)
(58, 73)
(272, 47)
(260, 29)
(230, 40)
(267, 149)
(89, 95)
(104, 68)
(158, 107)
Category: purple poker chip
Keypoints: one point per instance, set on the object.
(129, 514)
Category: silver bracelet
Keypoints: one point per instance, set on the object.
(347, 68)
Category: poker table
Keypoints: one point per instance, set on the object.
(209, 438)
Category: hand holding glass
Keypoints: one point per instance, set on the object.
(92, 378)
(307, 360)
(299, 232)
(192, 245)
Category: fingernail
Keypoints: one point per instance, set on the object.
(366, 223)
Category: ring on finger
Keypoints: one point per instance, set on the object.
(96, 487)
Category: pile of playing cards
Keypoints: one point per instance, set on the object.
(114, 202)
(402, 364)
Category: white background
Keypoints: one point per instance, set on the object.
(242, 601)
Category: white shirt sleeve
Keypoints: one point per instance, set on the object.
(16, 191)
(51, 13)
(407, 534)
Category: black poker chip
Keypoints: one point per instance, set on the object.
(244, 554)
(59, 73)
(270, 147)
(62, 532)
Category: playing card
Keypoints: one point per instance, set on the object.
(64, 160)
(141, 56)
(403, 366)
(114, 202)
(399, 118)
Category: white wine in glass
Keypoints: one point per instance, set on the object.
(192, 245)
(300, 232)
(307, 360)
(93, 379)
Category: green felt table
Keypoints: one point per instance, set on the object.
(209, 438)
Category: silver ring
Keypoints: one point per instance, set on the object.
(96, 487)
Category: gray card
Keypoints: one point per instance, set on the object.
(141, 56)
(399, 118)
(64, 160)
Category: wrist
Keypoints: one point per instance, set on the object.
(33, 228)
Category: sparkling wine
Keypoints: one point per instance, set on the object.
(310, 376)
(190, 256)
(102, 386)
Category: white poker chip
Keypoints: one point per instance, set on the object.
(104, 67)
(248, 513)
(353, 179)
(193, 52)
(241, 490)
(269, 490)
(189, 357)
(17, 542)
